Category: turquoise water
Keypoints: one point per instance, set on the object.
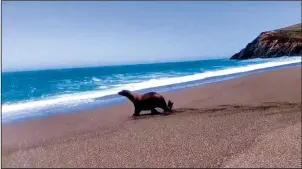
(44, 92)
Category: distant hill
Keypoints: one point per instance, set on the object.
(276, 43)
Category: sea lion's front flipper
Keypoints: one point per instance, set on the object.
(136, 111)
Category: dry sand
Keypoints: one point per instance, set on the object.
(253, 121)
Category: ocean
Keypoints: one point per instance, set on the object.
(41, 93)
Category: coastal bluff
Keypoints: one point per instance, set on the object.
(271, 44)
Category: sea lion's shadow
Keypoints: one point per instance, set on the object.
(149, 115)
(178, 111)
(164, 113)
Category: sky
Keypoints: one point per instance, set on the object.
(41, 35)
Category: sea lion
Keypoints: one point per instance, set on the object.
(147, 101)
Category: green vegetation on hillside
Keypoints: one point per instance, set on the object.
(291, 33)
(296, 27)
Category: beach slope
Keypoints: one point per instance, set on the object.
(252, 121)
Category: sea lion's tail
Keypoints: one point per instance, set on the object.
(170, 105)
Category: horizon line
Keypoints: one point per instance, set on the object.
(108, 65)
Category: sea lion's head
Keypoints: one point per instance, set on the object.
(124, 93)
(170, 104)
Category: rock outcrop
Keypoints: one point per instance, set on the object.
(277, 43)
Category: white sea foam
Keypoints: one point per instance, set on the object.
(18, 109)
(96, 79)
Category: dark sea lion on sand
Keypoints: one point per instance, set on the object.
(147, 101)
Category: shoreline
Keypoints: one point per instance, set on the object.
(113, 100)
(215, 125)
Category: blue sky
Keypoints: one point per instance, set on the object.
(75, 34)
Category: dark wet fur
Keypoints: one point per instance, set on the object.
(147, 101)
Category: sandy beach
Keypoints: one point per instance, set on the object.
(252, 121)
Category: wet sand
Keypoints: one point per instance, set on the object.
(253, 121)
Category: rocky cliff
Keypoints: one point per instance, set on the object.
(281, 42)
